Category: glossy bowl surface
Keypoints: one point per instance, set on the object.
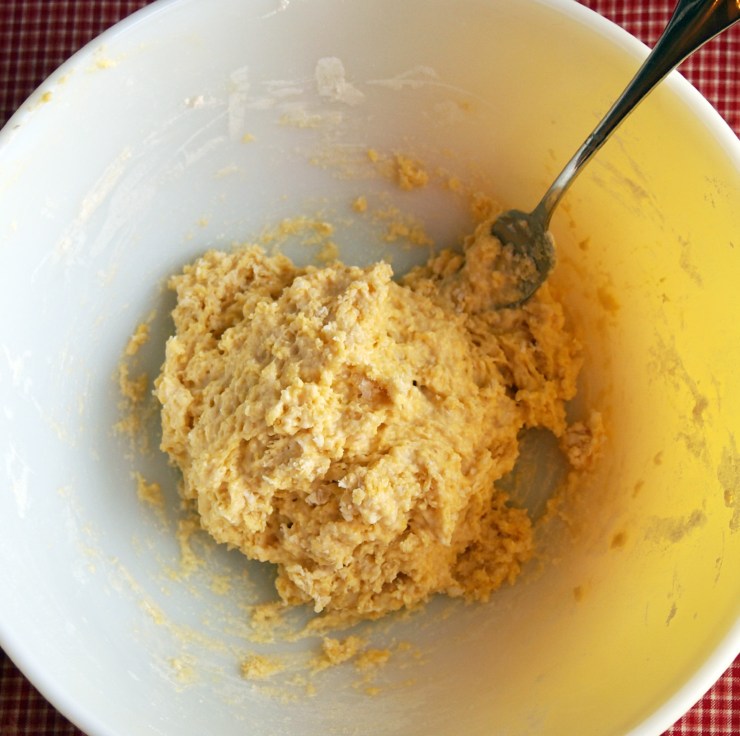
(198, 124)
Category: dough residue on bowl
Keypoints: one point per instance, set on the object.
(351, 429)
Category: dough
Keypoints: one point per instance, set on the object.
(351, 429)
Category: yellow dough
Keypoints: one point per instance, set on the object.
(351, 429)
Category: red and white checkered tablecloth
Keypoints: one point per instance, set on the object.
(36, 36)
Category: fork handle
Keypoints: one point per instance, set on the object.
(693, 23)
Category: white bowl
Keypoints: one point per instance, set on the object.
(131, 160)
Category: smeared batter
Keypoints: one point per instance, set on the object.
(351, 429)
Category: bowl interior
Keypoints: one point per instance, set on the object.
(195, 125)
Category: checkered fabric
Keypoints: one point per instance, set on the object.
(718, 712)
(714, 70)
(36, 36)
(23, 712)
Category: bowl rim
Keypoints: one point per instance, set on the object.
(696, 685)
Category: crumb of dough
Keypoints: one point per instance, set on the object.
(482, 207)
(133, 408)
(410, 174)
(454, 184)
(619, 540)
(260, 667)
(133, 389)
(336, 651)
(328, 253)
(608, 299)
(183, 669)
(583, 442)
(129, 425)
(266, 621)
(372, 155)
(304, 683)
(186, 528)
(221, 584)
(137, 340)
(248, 138)
(368, 663)
(295, 225)
(267, 613)
(406, 647)
(372, 658)
(310, 231)
(136, 404)
(412, 232)
(402, 227)
(149, 493)
(301, 118)
(329, 622)
(154, 612)
(351, 429)
(360, 204)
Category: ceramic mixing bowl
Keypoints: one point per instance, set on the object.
(196, 124)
